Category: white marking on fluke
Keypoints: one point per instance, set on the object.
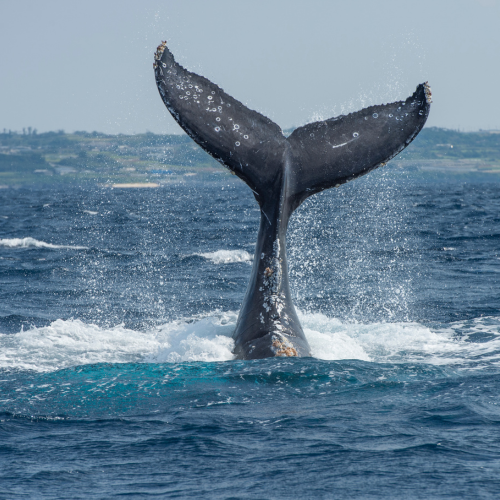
(343, 144)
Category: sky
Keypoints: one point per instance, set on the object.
(89, 65)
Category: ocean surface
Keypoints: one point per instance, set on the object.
(117, 308)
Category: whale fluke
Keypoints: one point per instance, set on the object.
(282, 172)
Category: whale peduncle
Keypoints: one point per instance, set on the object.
(268, 324)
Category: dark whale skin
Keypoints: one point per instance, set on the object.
(282, 172)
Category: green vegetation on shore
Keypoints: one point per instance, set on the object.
(56, 157)
(81, 157)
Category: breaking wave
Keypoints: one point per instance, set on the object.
(66, 343)
(32, 243)
(227, 256)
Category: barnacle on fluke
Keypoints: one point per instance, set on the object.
(284, 348)
(267, 272)
(282, 172)
(428, 93)
(159, 53)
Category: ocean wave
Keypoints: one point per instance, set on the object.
(66, 343)
(227, 256)
(32, 243)
(404, 342)
(208, 339)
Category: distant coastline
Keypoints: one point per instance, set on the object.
(92, 157)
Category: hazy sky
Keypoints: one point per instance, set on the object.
(89, 65)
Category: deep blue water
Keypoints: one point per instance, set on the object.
(116, 313)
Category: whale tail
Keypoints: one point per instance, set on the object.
(282, 172)
(320, 155)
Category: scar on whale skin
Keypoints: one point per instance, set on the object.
(282, 172)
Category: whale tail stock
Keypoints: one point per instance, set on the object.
(282, 172)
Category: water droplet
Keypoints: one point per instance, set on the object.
(213, 92)
(217, 129)
(375, 115)
(164, 65)
(200, 90)
(218, 119)
(236, 127)
(399, 109)
(237, 143)
(228, 105)
(219, 108)
(355, 134)
(245, 137)
(366, 118)
(178, 86)
(213, 110)
(188, 93)
(311, 134)
(210, 97)
(190, 86)
(390, 115)
(421, 112)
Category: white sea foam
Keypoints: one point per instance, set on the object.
(32, 243)
(403, 342)
(90, 212)
(71, 343)
(207, 339)
(227, 256)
